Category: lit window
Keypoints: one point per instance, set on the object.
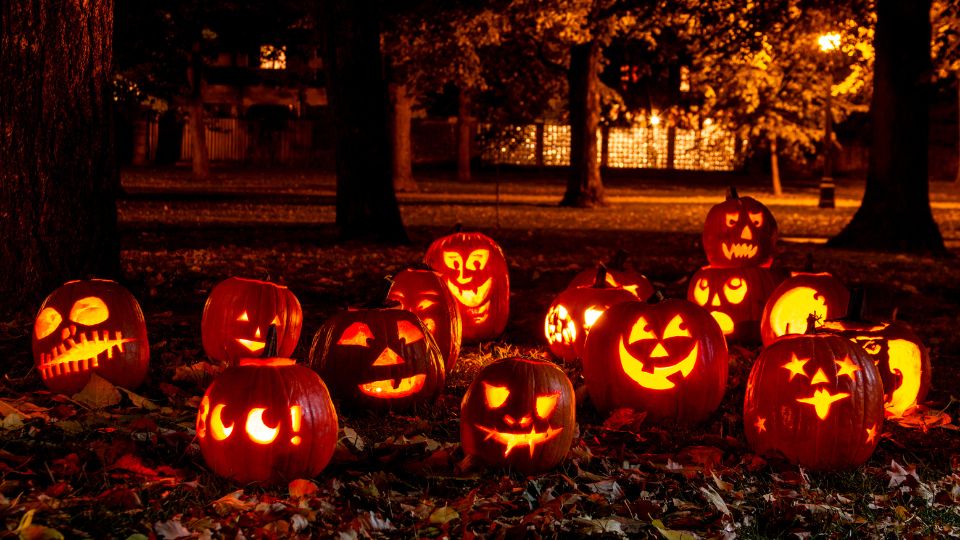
(272, 57)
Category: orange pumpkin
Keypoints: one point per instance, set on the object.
(423, 293)
(803, 293)
(617, 275)
(739, 232)
(735, 297)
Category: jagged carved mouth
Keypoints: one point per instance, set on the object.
(251, 345)
(741, 250)
(82, 353)
(472, 298)
(514, 440)
(394, 388)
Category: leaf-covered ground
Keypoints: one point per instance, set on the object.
(109, 463)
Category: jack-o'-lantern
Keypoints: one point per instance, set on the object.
(617, 276)
(575, 310)
(798, 296)
(268, 421)
(475, 271)
(735, 297)
(668, 359)
(519, 413)
(739, 232)
(901, 357)
(817, 399)
(423, 293)
(90, 326)
(238, 313)
(379, 357)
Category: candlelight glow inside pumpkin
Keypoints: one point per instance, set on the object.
(801, 295)
(740, 231)
(423, 293)
(653, 349)
(735, 297)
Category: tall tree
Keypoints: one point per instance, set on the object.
(58, 213)
(366, 202)
(895, 212)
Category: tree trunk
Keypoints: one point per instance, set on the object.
(400, 112)
(58, 212)
(140, 142)
(895, 212)
(198, 130)
(775, 167)
(464, 136)
(169, 138)
(366, 202)
(584, 185)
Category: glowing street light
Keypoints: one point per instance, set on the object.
(828, 44)
(655, 119)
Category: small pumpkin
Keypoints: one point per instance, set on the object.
(267, 421)
(474, 269)
(423, 293)
(617, 275)
(668, 359)
(735, 297)
(519, 413)
(817, 399)
(238, 313)
(798, 296)
(575, 310)
(741, 231)
(90, 326)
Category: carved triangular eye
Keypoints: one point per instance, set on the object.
(243, 317)
(677, 327)
(641, 330)
(408, 332)
(546, 404)
(276, 320)
(495, 396)
(47, 321)
(356, 334)
(89, 311)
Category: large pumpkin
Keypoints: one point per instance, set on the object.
(268, 421)
(475, 271)
(617, 275)
(740, 231)
(91, 326)
(735, 297)
(575, 310)
(815, 398)
(797, 297)
(238, 313)
(668, 359)
(519, 413)
(423, 293)
(378, 358)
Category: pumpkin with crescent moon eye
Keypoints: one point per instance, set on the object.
(380, 358)
(267, 421)
(797, 297)
(474, 270)
(86, 327)
(741, 231)
(238, 313)
(519, 413)
(815, 398)
(423, 293)
(735, 297)
(669, 359)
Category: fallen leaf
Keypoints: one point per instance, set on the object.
(171, 529)
(443, 515)
(715, 499)
(99, 393)
(670, 534)
(301, 488)
(138, 400)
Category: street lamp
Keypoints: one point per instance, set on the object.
(828, 44)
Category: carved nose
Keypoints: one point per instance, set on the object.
(746, 234)
(659, 351)
(716, 300)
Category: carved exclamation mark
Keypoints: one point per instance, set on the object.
(295, 416)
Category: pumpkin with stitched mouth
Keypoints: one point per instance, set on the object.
(741, 231)
(423, 293)
(378, 357)
(519, 413)
(617, 275)
(735, 297)
(667, 358)
(475, 271)
(86, 327)
(798, 296)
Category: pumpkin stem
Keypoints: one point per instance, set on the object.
(856, 304)
(732, 193)
(808, 267)
(656, 297)
(600, 282)
(619, 260)
(811, 324)
(270, 343)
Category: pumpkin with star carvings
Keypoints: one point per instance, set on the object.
(798, 296)
(740, 231)
(519, 413)
(423, 293)
(815, 398)
(667, 358)
(735, 297)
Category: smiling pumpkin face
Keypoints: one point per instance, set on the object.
(423, 293)
(739, 232)
(735, 297)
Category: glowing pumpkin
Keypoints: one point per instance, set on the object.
(519, 413)
(617, 276)
(740, 232)
(238, 313)
(735, 297)
(423, 293)
(91, 326)
(575, 310)
(669, 359)
(797, 297)
(475, 271)
(815, 398)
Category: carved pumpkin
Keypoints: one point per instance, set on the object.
(475, 271)
(617, 276)
(803, 293)
(669, 359)
(739, 232)
(91, 326)
(900, 356)
(815, 398)
(519, 413)
(378, 358)
(268, 421)
(238, 313)
(423, 293)
(575, 310)
(735, 297)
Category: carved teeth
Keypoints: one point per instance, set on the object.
(739, 250)
(73, 357)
